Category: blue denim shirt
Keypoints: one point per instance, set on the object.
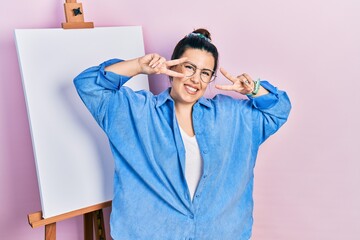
(151, 198)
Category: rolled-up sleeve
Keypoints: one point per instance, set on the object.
(271, 111)
(96, 87)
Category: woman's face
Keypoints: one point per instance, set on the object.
(188, 90)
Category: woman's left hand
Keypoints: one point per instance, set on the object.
(243, 83)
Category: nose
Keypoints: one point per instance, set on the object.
(196, 77)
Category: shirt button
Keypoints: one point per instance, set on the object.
(205, 176)
(205, 151)
(197, 195)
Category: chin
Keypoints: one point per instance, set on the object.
(192, 98)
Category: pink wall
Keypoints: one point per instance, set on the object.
(307, 176)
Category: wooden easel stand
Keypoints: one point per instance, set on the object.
(74, 15)
(93, 221)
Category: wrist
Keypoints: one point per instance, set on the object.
(137, 66)
(255, 90)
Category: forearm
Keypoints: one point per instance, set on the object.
(127, 68)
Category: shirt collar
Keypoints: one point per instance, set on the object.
(165, 95)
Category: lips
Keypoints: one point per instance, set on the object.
(190, 89)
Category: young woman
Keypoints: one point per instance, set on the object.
(183, 163)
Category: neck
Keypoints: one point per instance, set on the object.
(183, 108)
(184, 117)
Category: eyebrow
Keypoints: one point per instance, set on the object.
(198, 67)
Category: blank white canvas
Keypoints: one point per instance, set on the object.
(73, 159)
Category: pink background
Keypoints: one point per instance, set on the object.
(307, 175)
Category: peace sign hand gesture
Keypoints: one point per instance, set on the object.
(243, 83)
(156, 64)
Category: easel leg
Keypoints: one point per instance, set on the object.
(99, 225)
(88, 226)
(50, 231)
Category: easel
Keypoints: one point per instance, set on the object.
(93, 215)
(74, 15)
(93, 221)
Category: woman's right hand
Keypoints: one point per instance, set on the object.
(155, 64)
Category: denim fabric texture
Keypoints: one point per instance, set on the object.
(151, 198)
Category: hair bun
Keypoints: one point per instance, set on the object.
(204, 32)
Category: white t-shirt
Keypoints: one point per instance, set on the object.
(193, 162)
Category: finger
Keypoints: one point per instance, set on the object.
(247, 87)
(244, 81)
(159, 62)
(227, 75)
(175, 61)
(249, 82)
(155, 58)
(247, 76)
(225, 87)
(173, 73)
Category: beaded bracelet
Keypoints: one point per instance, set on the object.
(256, 88)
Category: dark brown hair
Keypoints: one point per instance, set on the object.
(198, 39)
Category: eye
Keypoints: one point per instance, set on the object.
(189, 67)
(206, 73)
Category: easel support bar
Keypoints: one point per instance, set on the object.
(36, 220)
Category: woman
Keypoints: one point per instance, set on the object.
(183, 163)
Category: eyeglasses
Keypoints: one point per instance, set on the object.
(206, 75)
